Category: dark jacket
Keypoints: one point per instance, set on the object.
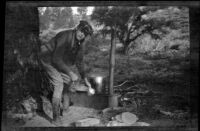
(63, 51)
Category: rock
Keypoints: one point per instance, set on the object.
(141, 124)
(29, 104)
(24, 117)
(118, 118)
(38, 121)
(116, 123)
(87, 122)
(129, 118)
(124, 119)
(110, 113)
(111, 109)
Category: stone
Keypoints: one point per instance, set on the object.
(129, 118)
(141, 124)
(87, 122)
(38, 121)
(125, 119)
(111, 109)
(106, 110)
(118, 118)
(20, 116)
(116, 123)
(29, 105)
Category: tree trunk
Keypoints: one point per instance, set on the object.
(112, 63)
(21, 33)
(126, 46)
(113, 99)
(194, 60)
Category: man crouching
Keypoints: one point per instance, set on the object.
(62, 52)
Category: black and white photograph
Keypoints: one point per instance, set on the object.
(99, 65)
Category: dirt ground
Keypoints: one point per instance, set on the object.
(77, 113)
(168, 76)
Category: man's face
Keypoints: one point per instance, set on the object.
(80, 35)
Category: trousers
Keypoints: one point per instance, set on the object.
(58, 79)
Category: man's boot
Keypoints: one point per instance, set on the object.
(56, 111)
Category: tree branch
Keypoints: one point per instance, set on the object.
(148, 29)
(120, 37)
(129, 32)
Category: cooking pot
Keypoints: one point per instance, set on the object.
(99, 84)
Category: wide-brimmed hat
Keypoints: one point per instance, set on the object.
(85, 27)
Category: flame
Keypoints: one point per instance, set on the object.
(99, 79)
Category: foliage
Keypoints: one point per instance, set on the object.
(64, 18)
(131, 23)
(82, 12)
(176, 39)
(58, 17)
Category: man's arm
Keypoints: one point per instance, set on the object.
(80, 63)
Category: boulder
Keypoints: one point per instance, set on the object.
(140, 124)
(29, 105)
(118, 118)
(113, 109)
(129, 118)
(116, 123)
(87, 122)
(125, 119)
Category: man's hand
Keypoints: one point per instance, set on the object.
(91, 91)
(73, 76)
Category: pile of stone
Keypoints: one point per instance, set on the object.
(126, 119)
(24, 110)
(122, 119)
(87, 122)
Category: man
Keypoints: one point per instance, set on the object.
(58, 56)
